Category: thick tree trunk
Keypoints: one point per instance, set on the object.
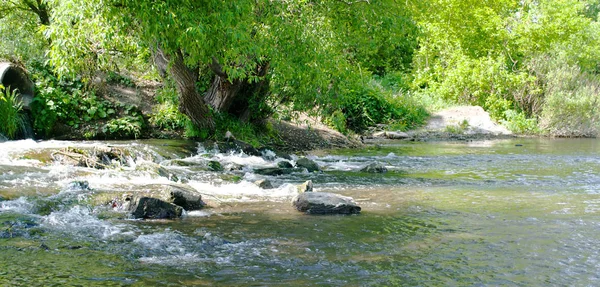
(236, 97)
(191, 102)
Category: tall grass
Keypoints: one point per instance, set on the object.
(10, 106)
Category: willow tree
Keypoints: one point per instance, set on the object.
(233, 56)
(249, 49)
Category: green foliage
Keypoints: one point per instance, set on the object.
(10, 107)
(64, 101)
(519, 123)
(21, 37)
(459, 129)
(117, 78)
(371, 104)
(124, 127)
(166, 116)
(572, 99)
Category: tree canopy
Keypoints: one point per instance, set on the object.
(248, 58)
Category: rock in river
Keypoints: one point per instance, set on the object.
(310, 165)
(284, 164)
(276, 171)
(264, 183)
(374, 168)
(153, 208)
(307, 186)
(325, 203)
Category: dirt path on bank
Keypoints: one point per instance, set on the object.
(468, 119)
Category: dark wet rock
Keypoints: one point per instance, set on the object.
(78, 185)
(3, 138)
(2, 198)
(284, 164)
(310, 165)
(307, 186)
(374, 168)
(188, 198)
(180, 162)
(154, 208)
(237, 146)
(215, 165)
(179, 194)
(267, 154)
(325, 203)
(273, 171)
(283, 155)
(264, 184)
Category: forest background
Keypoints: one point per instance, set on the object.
(215, 66)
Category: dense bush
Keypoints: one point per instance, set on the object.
(372, 104)
(65, 101)
(10, 106)
(572, 101)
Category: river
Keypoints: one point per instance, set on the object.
(518, 212)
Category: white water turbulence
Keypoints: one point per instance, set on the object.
(520, 212)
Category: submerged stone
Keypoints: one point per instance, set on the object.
(215, 165)
(284, 164)
(264, 184)
(273, 171)
(310, 165)
(307, 186)
(78, 185)
(374, 168)
(325, 203)
(154, 208)
(237, 146)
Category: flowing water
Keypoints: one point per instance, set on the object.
(521, 212)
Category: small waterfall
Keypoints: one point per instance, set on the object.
(26, 129)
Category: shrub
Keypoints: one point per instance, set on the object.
(572, 101)
(124, 127)
(10, 106)
(166, 116)
(65, 101)
(373, 104)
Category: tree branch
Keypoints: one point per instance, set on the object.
(217, 68)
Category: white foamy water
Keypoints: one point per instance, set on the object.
(79, 220)
(245, 191)
(20, 205)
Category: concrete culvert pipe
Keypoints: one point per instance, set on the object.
(14, 77)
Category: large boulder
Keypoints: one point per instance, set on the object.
(154, 208)
(178, 194)
(310, 165)
(188, 198)
(325, 203)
